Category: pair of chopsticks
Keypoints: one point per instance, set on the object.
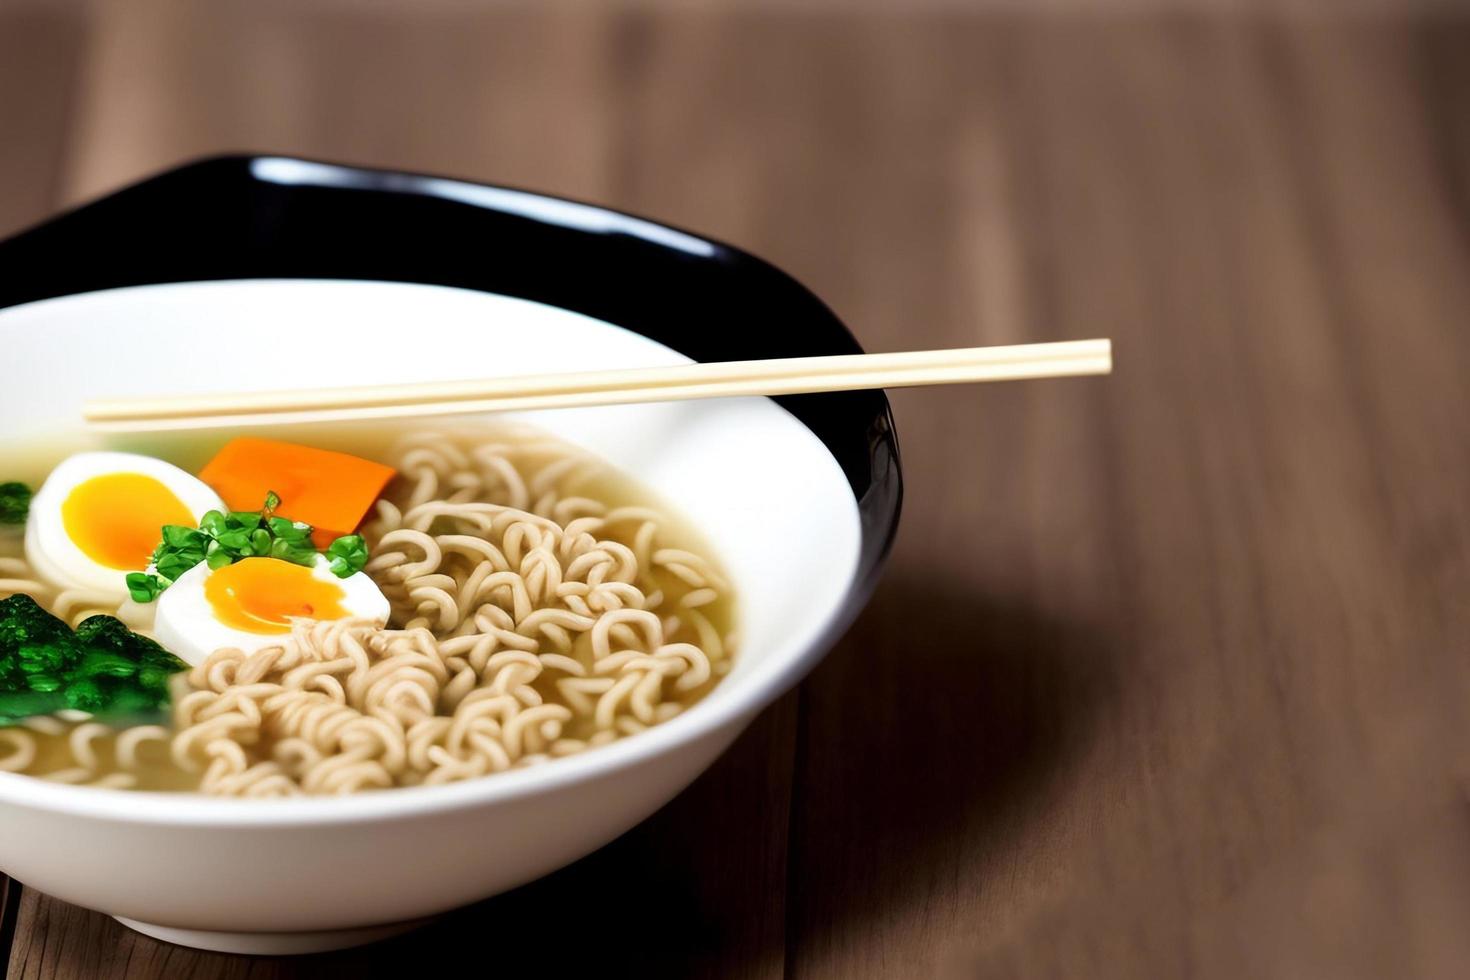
(782, 376)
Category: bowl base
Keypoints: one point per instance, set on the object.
(271, 943)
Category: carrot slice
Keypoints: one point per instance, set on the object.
(329, 490)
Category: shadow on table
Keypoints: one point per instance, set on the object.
(934, 737)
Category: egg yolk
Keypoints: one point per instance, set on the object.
(262, 595)
(116, 519)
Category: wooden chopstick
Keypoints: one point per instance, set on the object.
(782, 376)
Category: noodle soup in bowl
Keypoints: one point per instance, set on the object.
(789, 507)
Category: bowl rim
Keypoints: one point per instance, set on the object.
(876, 487)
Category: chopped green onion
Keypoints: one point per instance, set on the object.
(349, 555)
(143, 587)
(223, 539)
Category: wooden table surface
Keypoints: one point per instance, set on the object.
(1169, 673)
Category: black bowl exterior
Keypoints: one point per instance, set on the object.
(255, 217)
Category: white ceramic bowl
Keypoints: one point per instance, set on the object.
(311, 874)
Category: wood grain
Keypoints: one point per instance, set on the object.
(1167, 676)
(40, 48)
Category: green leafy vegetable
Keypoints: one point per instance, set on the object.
(103, 668)
(349, 554)
(15, 503)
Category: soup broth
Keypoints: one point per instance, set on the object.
(541, 604)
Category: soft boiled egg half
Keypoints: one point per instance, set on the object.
(99, 515)
(253, 603)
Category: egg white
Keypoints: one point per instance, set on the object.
(186, 626)
(52, 552)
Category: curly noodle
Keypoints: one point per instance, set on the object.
(531, 620)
